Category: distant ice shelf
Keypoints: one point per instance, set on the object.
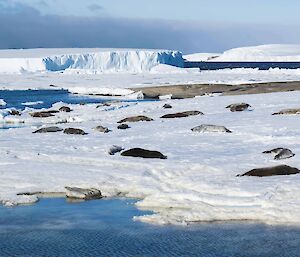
(86, 60)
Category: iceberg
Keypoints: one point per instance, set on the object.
(86, 60)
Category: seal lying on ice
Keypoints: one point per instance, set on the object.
(239, 107)
(181, 114)
(211, 128)
(288, 111)
(143, 153)
(48, 130)
(102, 129)
(272, 171)
(115, 149)
(281, 153)
(135, 119)
(74, 131)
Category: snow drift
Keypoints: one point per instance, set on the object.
(91, 60)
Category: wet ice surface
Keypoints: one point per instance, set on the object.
(105, 228)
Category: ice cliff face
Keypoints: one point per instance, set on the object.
(134, 61)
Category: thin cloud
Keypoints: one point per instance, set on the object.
(95, 7)
(25, 27)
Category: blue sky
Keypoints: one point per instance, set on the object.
(189, 26)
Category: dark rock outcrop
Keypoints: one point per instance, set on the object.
(74, 131)
(272, 171)
(143, 153)
(181, 114)
(135, 119)
(48, 130)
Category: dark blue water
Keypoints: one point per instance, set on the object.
(105, 228)
(17, 98)
(235, 65)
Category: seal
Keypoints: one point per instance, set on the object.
(102, 129)
(238, 107)
(123, 126)
(272, 171)
(48, 130)
(167, 106)
(115, 149)
(143, 153)
(211, 128)
(135, 119)
(181, 114)
(83, 193)
(65, 109)
(280, 153)
(43, 114)
(288, 111)
(74, 131)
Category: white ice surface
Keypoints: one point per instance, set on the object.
(267, 53)
(198, 180)
(86, 60)
(201, 57)
(2, 102)
(118, 84)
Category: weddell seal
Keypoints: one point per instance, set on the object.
(65, 109)
(74, 131)
(288, 112)
(135, 119)
(211, 128)
(181, 114)
(280, 153)
(143, 153)
(272, 171)
(102, 129)
(115, 149)
(123, 126)
(48, 130)
(239, 107)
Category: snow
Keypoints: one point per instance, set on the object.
(32, 103)
(2, 102)
(262, 53)
(119, 84)
(116, 71)
(85, 60)
(198, 180)
(201, 57)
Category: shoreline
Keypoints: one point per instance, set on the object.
(192, 90)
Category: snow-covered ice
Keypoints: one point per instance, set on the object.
(2, 102)
(262, 53)
(114, 71)
(86, 60)
(32, 103)
(198, 180)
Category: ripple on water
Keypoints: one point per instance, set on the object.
(105, 228)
